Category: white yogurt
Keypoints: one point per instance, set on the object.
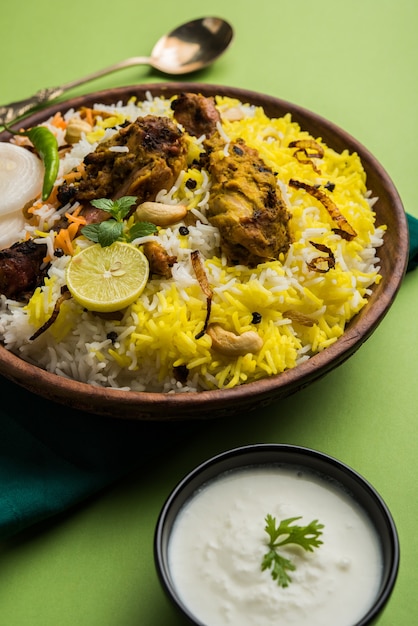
(218, 542)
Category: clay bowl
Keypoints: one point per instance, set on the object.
(218, 403)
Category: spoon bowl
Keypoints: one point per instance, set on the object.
(191, 46)
(188, 48)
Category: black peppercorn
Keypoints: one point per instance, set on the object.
(191, 183)
(112, 336)
(256, 318)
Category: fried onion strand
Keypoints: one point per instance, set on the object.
(344, 229)
(199, 270)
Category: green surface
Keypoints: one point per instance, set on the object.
(354, 63)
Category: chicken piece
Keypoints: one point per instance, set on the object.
(22, 269)
(140, 160)
(160, 262)
(197, 114)
(246, 205)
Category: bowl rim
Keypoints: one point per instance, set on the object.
(145, 405)
(251, 455)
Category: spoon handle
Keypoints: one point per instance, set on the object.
(16, 110)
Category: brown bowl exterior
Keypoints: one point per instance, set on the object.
(219, 403)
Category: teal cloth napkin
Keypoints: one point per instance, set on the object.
(413, 242)
(53, 457)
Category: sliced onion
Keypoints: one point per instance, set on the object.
(11, 229)
(21, 177)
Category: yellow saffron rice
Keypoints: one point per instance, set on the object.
(159, 333)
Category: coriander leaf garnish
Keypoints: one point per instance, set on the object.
(285, 533)
(115, 229)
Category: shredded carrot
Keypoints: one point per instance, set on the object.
(52, 198)
(76, 173)
(64, 238)
(87, 113)
(58, 121)
(34, 207)
(90, 115)
(76, 217)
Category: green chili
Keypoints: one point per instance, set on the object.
(45, 143)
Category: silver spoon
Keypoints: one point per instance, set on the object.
(188, 48)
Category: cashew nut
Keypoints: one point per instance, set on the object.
(161, 214)
(75, 128)
(230, 344)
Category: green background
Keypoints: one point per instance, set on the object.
(352, 62)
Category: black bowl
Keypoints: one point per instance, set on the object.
(281, 455)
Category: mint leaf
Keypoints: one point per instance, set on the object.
(109, 232)
(103, 203)
(91, 231)
(123, 206)
(104, 233)
(114, 229)
(141, 229)
(118, 209)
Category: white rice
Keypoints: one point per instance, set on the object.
(158, 333)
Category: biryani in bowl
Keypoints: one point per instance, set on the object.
(184, 242)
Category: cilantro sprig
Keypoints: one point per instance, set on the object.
(115, 228)
(288, 533)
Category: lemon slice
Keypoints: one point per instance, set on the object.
(107, 279)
